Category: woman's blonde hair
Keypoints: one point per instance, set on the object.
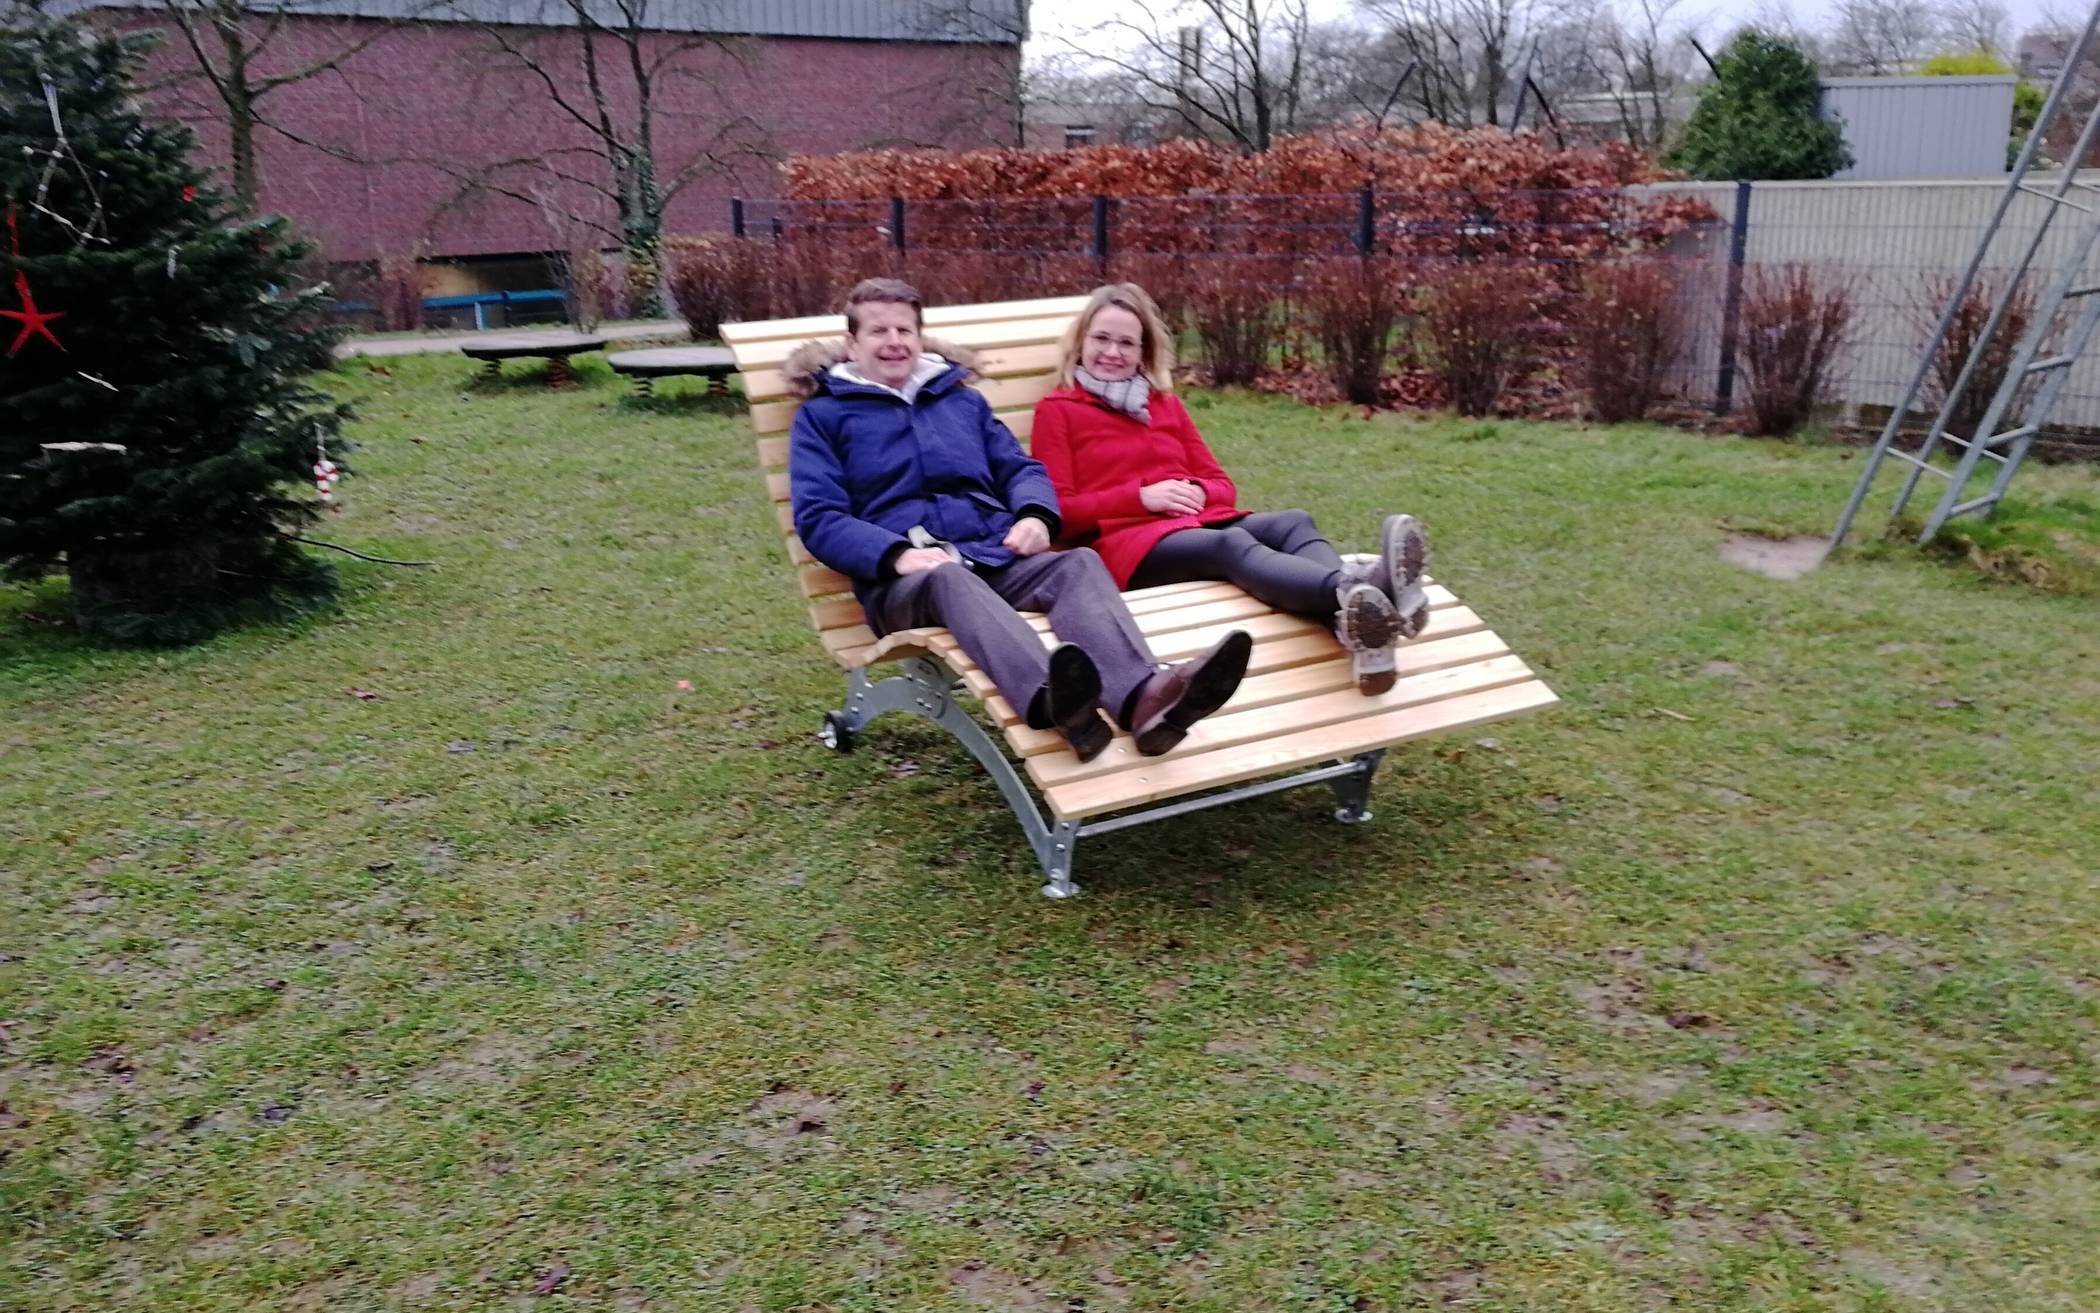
(1155, 352)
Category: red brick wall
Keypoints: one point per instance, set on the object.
(377, 156)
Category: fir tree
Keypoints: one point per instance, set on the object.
(153, 429)
(1757, 118)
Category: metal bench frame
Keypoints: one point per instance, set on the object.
(926, 689)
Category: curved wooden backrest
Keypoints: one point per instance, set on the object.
(1017, 351)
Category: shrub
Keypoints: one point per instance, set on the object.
(714, 280)
(963, 277)
(1629, 331)
(812, 276)
(403, 282)
(1436, 185)
(1758, 117)
(591, 286)
(1231, 305)
(1796, 320)
(1964, 332)
(1352, 306)
(1164, 277)
(1476, 324)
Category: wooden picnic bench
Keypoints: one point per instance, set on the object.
(1297, 718)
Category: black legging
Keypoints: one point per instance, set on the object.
(1279, 557)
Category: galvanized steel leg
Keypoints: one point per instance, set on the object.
(925, 688)
(1353, 791)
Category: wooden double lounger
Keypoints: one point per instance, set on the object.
(1297, 718)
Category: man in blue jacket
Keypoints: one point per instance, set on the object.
(905, 482)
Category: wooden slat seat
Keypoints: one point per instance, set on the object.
(1298, 705)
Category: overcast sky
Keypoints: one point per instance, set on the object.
(1053, 22)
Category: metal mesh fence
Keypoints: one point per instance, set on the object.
(1891, 250)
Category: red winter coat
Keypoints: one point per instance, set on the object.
(1098, 458)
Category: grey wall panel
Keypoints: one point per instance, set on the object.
(1922, 127)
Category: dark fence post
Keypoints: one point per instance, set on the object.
(1101, 234)
(736, 216)
(1366, 212)
(1732, 303)
(897, 223)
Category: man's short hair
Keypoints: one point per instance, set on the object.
(893, 290)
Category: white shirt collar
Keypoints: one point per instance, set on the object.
(929, 368)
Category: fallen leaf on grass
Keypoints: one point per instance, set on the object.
(551, 1280)
(364, 695)
(1689, 1020)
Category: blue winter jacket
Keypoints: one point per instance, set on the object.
(864, 467)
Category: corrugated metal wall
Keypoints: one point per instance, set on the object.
(1923, 127)
(1896, 246)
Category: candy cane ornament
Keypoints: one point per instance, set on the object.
(326, 476)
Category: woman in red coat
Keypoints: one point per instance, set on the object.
(1130, 467)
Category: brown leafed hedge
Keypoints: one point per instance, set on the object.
(1438, 191)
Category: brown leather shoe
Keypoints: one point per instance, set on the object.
(1073, 694)
(1175, 699)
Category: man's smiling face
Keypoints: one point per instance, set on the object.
(886, 349)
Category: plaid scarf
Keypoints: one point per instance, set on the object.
(1130, 396)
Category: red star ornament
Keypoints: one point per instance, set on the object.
(35, 322)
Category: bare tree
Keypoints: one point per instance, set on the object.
(623, 152)
(234, 48)
(1068, 90)
(1467, 53)
(1883, 37)
(1229, 70)
(1645, 60)
(974, 90)
(1977, 25)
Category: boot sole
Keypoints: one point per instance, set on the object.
(1211, 688)
(1372, 627)
(1403, 552)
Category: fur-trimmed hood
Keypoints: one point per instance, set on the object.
(808, 362)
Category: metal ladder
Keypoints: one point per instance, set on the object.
(2007, 448)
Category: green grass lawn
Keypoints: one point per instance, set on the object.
(1763, 974)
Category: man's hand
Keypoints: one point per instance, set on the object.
(1028, 536)
(917, 560)
(1172, 497)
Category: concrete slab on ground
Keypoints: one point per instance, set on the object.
(415, 346)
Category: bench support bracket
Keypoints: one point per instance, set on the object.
(923, 687)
